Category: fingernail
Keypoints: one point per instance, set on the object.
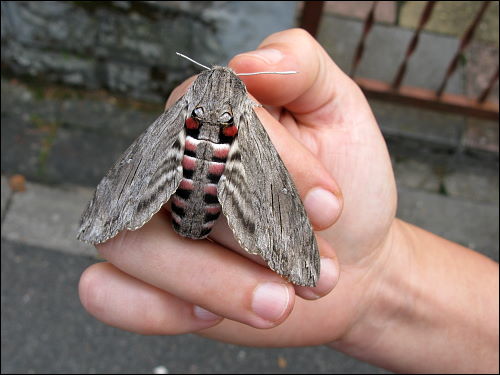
(270, 301)
(269, 55)
(322, 206)
(203, 314)
(329, 276)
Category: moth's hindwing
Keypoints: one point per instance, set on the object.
(263, 207)
(140, 182)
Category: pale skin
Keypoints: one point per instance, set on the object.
(389, 293)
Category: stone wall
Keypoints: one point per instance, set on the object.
(126, 47)
(129, 46)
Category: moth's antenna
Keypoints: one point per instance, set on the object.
(190, 59)
(253, 74)
(238, 74)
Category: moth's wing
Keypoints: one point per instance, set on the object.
(140, 182)
(263, 207)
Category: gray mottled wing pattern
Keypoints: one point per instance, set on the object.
(140, 182)
(263, 207)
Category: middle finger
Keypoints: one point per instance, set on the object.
(201, 272)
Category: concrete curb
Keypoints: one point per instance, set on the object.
(46, 217)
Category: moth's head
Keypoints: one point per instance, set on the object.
(218, 105)
(222, 116)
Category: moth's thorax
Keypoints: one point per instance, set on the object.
(195, 206)
(220, 86)
(209, 132)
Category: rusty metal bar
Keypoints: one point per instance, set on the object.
(368, 24)
(424, 18)
(464, 42)
(488, 88)
(395, 92)
(428, 99)
(311, 16)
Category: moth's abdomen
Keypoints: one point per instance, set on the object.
(195, 206)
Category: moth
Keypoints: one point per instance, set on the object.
(209, 153)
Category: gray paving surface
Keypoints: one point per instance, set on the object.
(46, 330)
(47, 217)
(472, 224)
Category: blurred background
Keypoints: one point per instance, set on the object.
(81, 80)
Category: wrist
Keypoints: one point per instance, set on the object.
(433, 307)
(391, 294)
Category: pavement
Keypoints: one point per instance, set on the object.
(46, 330)
(63, 141)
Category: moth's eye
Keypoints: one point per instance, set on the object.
(226, 118)
(198, 112)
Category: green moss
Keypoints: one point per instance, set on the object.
(48, 129)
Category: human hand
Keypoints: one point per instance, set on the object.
(324, 130)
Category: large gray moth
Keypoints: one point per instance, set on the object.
(209, 152)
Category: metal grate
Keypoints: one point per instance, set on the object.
(437, 99)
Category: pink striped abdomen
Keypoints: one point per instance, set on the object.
(195, 206)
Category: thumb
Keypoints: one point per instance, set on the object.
(316, 95)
